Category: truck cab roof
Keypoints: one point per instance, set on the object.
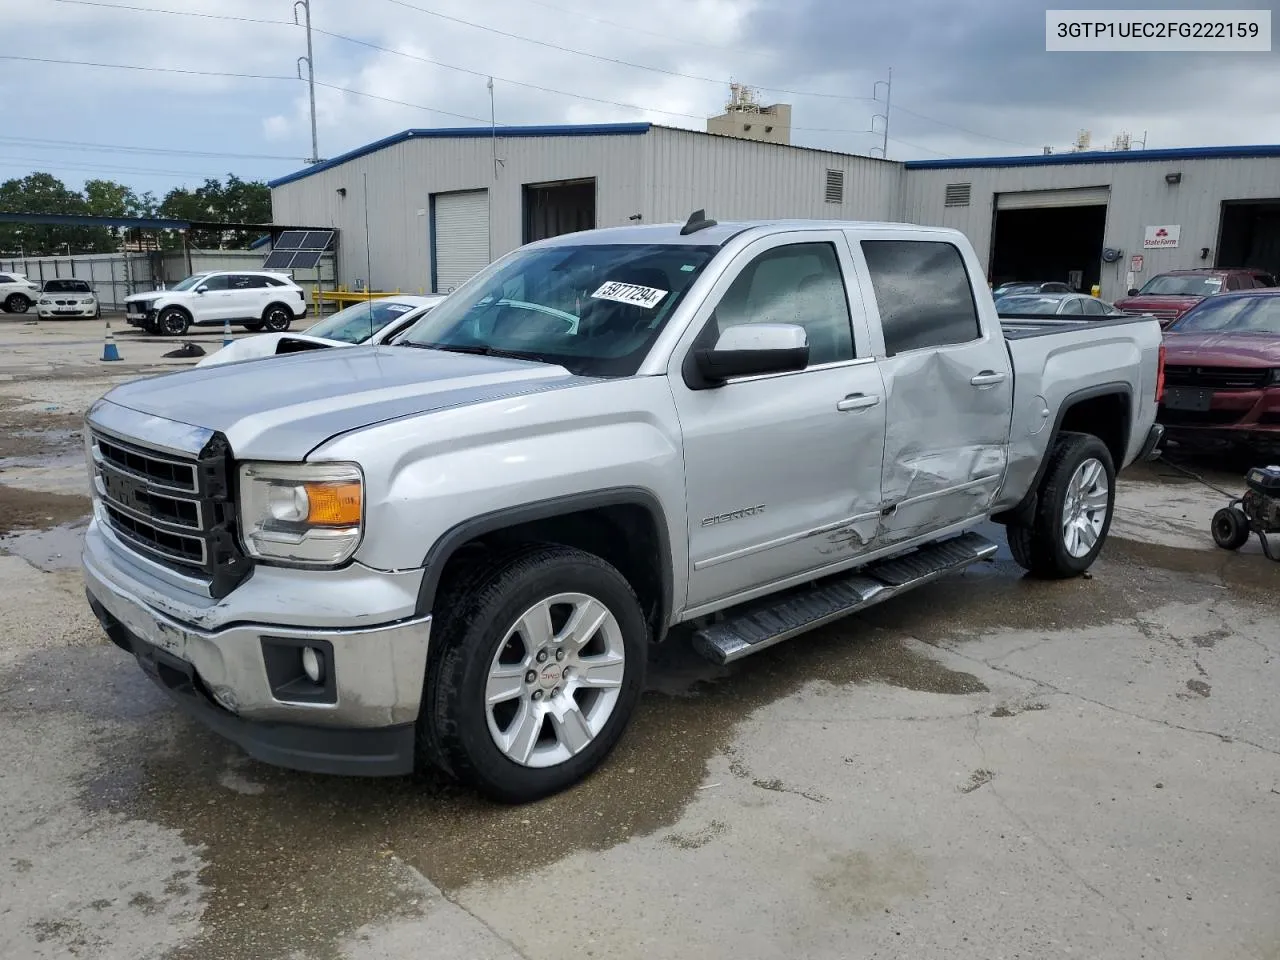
(721, 233)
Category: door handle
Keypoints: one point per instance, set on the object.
(857, 401)
(987, 378)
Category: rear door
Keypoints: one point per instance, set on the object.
(948, 381)
(782, 471)
(248, 296)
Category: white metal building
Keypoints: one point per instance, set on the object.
(442, 203)
(439, 207)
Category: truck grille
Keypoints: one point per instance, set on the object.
(1220, 378)
(174, 510)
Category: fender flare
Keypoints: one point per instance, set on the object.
(448, 542)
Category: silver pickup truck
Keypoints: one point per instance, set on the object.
(457, 550)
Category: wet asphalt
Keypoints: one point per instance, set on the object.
(987, 767)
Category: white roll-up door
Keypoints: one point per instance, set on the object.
(460, 237)
(1069, 197)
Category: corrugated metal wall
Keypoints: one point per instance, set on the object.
(742, 180)
(662, 176)
(1139, 198)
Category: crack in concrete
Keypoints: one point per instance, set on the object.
(1053, 851)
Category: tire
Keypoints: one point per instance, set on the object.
(1230, 528)
(17, 303)
(277, 318)
(530, 744)
(1064, 539)
(253, 326)
(173, 322)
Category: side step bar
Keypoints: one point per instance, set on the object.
(760, 624)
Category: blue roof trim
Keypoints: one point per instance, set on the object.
(1101, 156)
(554, 130)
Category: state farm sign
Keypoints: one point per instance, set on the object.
(1159, 237)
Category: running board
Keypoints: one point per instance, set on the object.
(759, 624)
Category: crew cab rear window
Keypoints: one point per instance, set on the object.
(924, 294)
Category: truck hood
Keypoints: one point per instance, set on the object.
(1222, 349)
(283, 409)
(1158, 304)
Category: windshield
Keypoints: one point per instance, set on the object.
(1009, 288)
(358, 322)
(1182, 285)
(190, 282)
(66, 286)
(593, 309)
(1032, 305)
(1232, 315)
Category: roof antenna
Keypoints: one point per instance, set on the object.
(697, 221)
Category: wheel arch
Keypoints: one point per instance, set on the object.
(277, 303)
(1105, 411)
(625, 526)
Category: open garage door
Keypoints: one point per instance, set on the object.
(459, 237)
(1250, 235)
(1045, 235)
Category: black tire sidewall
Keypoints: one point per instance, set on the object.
(1076, 449)
(1238, 531)
(268, 318)
(17, 303)
(162, 322)
(460, 681)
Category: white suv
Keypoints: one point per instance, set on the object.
(255, 300)
(17, 293)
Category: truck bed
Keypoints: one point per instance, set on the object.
(1021, 326)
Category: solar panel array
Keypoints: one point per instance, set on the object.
(298, 249)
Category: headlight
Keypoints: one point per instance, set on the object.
(87, 303)
(45, 303)
(309, 514)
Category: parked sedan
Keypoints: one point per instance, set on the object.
(1222, 373)
(1065, 305)
(68, 299)
(1050, 286)
(371, 322)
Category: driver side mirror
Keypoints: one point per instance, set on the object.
(202, 289)
(753, 349)
(1133, 291)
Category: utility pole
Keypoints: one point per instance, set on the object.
(888, 92)
(311, 72)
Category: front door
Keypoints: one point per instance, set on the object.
(949, 387)
(783, 470)
(215, 303)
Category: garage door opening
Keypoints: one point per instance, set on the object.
(551, 209)
(1049, 235)
(1250, 235)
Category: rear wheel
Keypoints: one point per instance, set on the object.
(540, 663)
(1073, 512)
(17, 303)
(277, 318)
(1230, 528)
(173, 322)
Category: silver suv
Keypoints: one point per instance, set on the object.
(255, 300)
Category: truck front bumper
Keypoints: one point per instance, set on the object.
(237, 678)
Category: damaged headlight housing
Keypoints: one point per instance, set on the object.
(307, 514)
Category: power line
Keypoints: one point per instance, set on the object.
(37, 143)
(103, 168)
(615, 60)
(954, 126)
(180, 13)
(701, 45)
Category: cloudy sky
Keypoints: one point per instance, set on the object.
(970, 78)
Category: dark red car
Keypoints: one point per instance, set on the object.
(1168, 296)
(1222, 373)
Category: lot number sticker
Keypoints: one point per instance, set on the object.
(637, 296)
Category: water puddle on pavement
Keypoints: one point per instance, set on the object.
(57, 548)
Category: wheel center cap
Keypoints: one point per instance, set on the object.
(549, 675)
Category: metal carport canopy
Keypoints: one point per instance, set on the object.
(1068, 197)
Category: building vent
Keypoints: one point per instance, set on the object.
(835, 187)
(958, 194)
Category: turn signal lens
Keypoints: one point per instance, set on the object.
(333, 504)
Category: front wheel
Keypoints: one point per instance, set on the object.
(173, 322)
(17, 303)
(1073, 512)
(541, 662)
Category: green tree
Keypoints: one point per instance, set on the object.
(42, 193)
(236, 201)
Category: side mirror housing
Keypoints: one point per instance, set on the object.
(202, 289)
(1133, 291)
(753, 349)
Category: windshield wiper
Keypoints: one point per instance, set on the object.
(479, 350)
